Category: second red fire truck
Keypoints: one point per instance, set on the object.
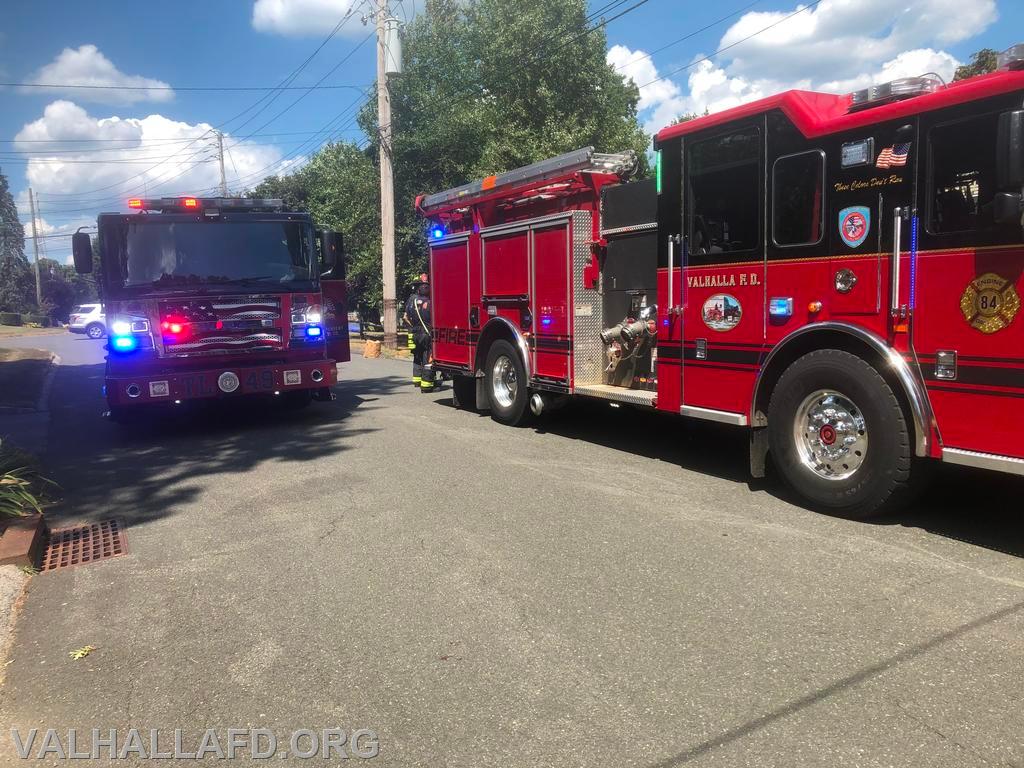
(840, 275)
(211, 298)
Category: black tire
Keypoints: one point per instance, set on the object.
(866, 478)
(505, 408)
(95, 331)
(464, 392)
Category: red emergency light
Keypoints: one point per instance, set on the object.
(135, 202)
(190, 202)
(172, 327)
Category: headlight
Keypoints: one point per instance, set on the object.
(123, 326)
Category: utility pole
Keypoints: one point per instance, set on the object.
(387, 189)
(35, 247)
(220, 154)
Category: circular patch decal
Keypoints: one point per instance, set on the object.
(989, 303)
(722, 312)
(854, 225)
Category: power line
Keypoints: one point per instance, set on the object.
(687, 36)
(63, 86)
(287, 81)
(667, 75)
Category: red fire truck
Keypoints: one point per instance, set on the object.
(216, 298)
(840, 275)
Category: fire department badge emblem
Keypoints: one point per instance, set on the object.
(989, 303)
(854, 225)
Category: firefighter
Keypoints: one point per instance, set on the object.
(417, 319)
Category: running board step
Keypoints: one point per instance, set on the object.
(618, 394)
(992, 461)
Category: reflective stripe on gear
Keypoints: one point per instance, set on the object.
(417, 379)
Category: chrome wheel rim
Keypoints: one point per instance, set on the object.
(504, 383)
(831, 434)
(95, 332)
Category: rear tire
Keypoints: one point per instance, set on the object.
(464, 392)
(838, 436)
(95, 331)
(506, 384)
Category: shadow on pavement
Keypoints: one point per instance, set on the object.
(144, 470)
(974, 506)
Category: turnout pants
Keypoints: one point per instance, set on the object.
(422, 370)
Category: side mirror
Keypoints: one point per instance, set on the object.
(1010, 150)
(81, 248)
(332, 249)
(1007, 208)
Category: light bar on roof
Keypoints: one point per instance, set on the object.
(176, 204)
(1011, 58)
(894, 90)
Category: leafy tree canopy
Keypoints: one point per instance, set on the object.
(982, 62)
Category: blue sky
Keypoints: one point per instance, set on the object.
(164, 145)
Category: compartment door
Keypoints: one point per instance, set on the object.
(551, 345)
(449, 274)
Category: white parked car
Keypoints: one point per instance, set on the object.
(88, 319)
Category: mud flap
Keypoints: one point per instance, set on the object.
(758, 451)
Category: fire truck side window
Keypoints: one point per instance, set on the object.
(724, 175)
(798, 184)
(963, 175)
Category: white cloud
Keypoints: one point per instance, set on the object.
(299, 18)
(86, 65)
(153, 156)
(838, 46)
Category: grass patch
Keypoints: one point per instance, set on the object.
(22, 373)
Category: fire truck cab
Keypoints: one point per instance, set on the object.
(217, 298)
(840, 275)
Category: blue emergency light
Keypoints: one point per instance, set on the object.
(124, 343)
(437, 233)
(314, 331)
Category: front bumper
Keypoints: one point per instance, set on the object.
(205, 383)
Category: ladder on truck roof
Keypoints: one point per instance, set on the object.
(584, 160)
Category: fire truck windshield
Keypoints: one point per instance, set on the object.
(162, 254)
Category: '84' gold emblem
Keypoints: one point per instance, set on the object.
(990, 303)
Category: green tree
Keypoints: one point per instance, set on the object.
(487, 86)
(981, 63)
(17, 287)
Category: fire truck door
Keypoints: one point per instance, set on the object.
(335, 303)
(968, 332)
(449, 277)
(722, 291)
(550, 301)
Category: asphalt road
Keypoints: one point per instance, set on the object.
(605, 590)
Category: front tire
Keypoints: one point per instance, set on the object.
(507, 390)
(838, 436)
(95, 331)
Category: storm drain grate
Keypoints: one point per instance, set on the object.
(66, 547)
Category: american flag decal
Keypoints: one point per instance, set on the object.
(894, 156)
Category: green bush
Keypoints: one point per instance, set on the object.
(40, 320)
(10, 318)
(22, 488)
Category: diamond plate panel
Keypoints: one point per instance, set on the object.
(588, 315)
